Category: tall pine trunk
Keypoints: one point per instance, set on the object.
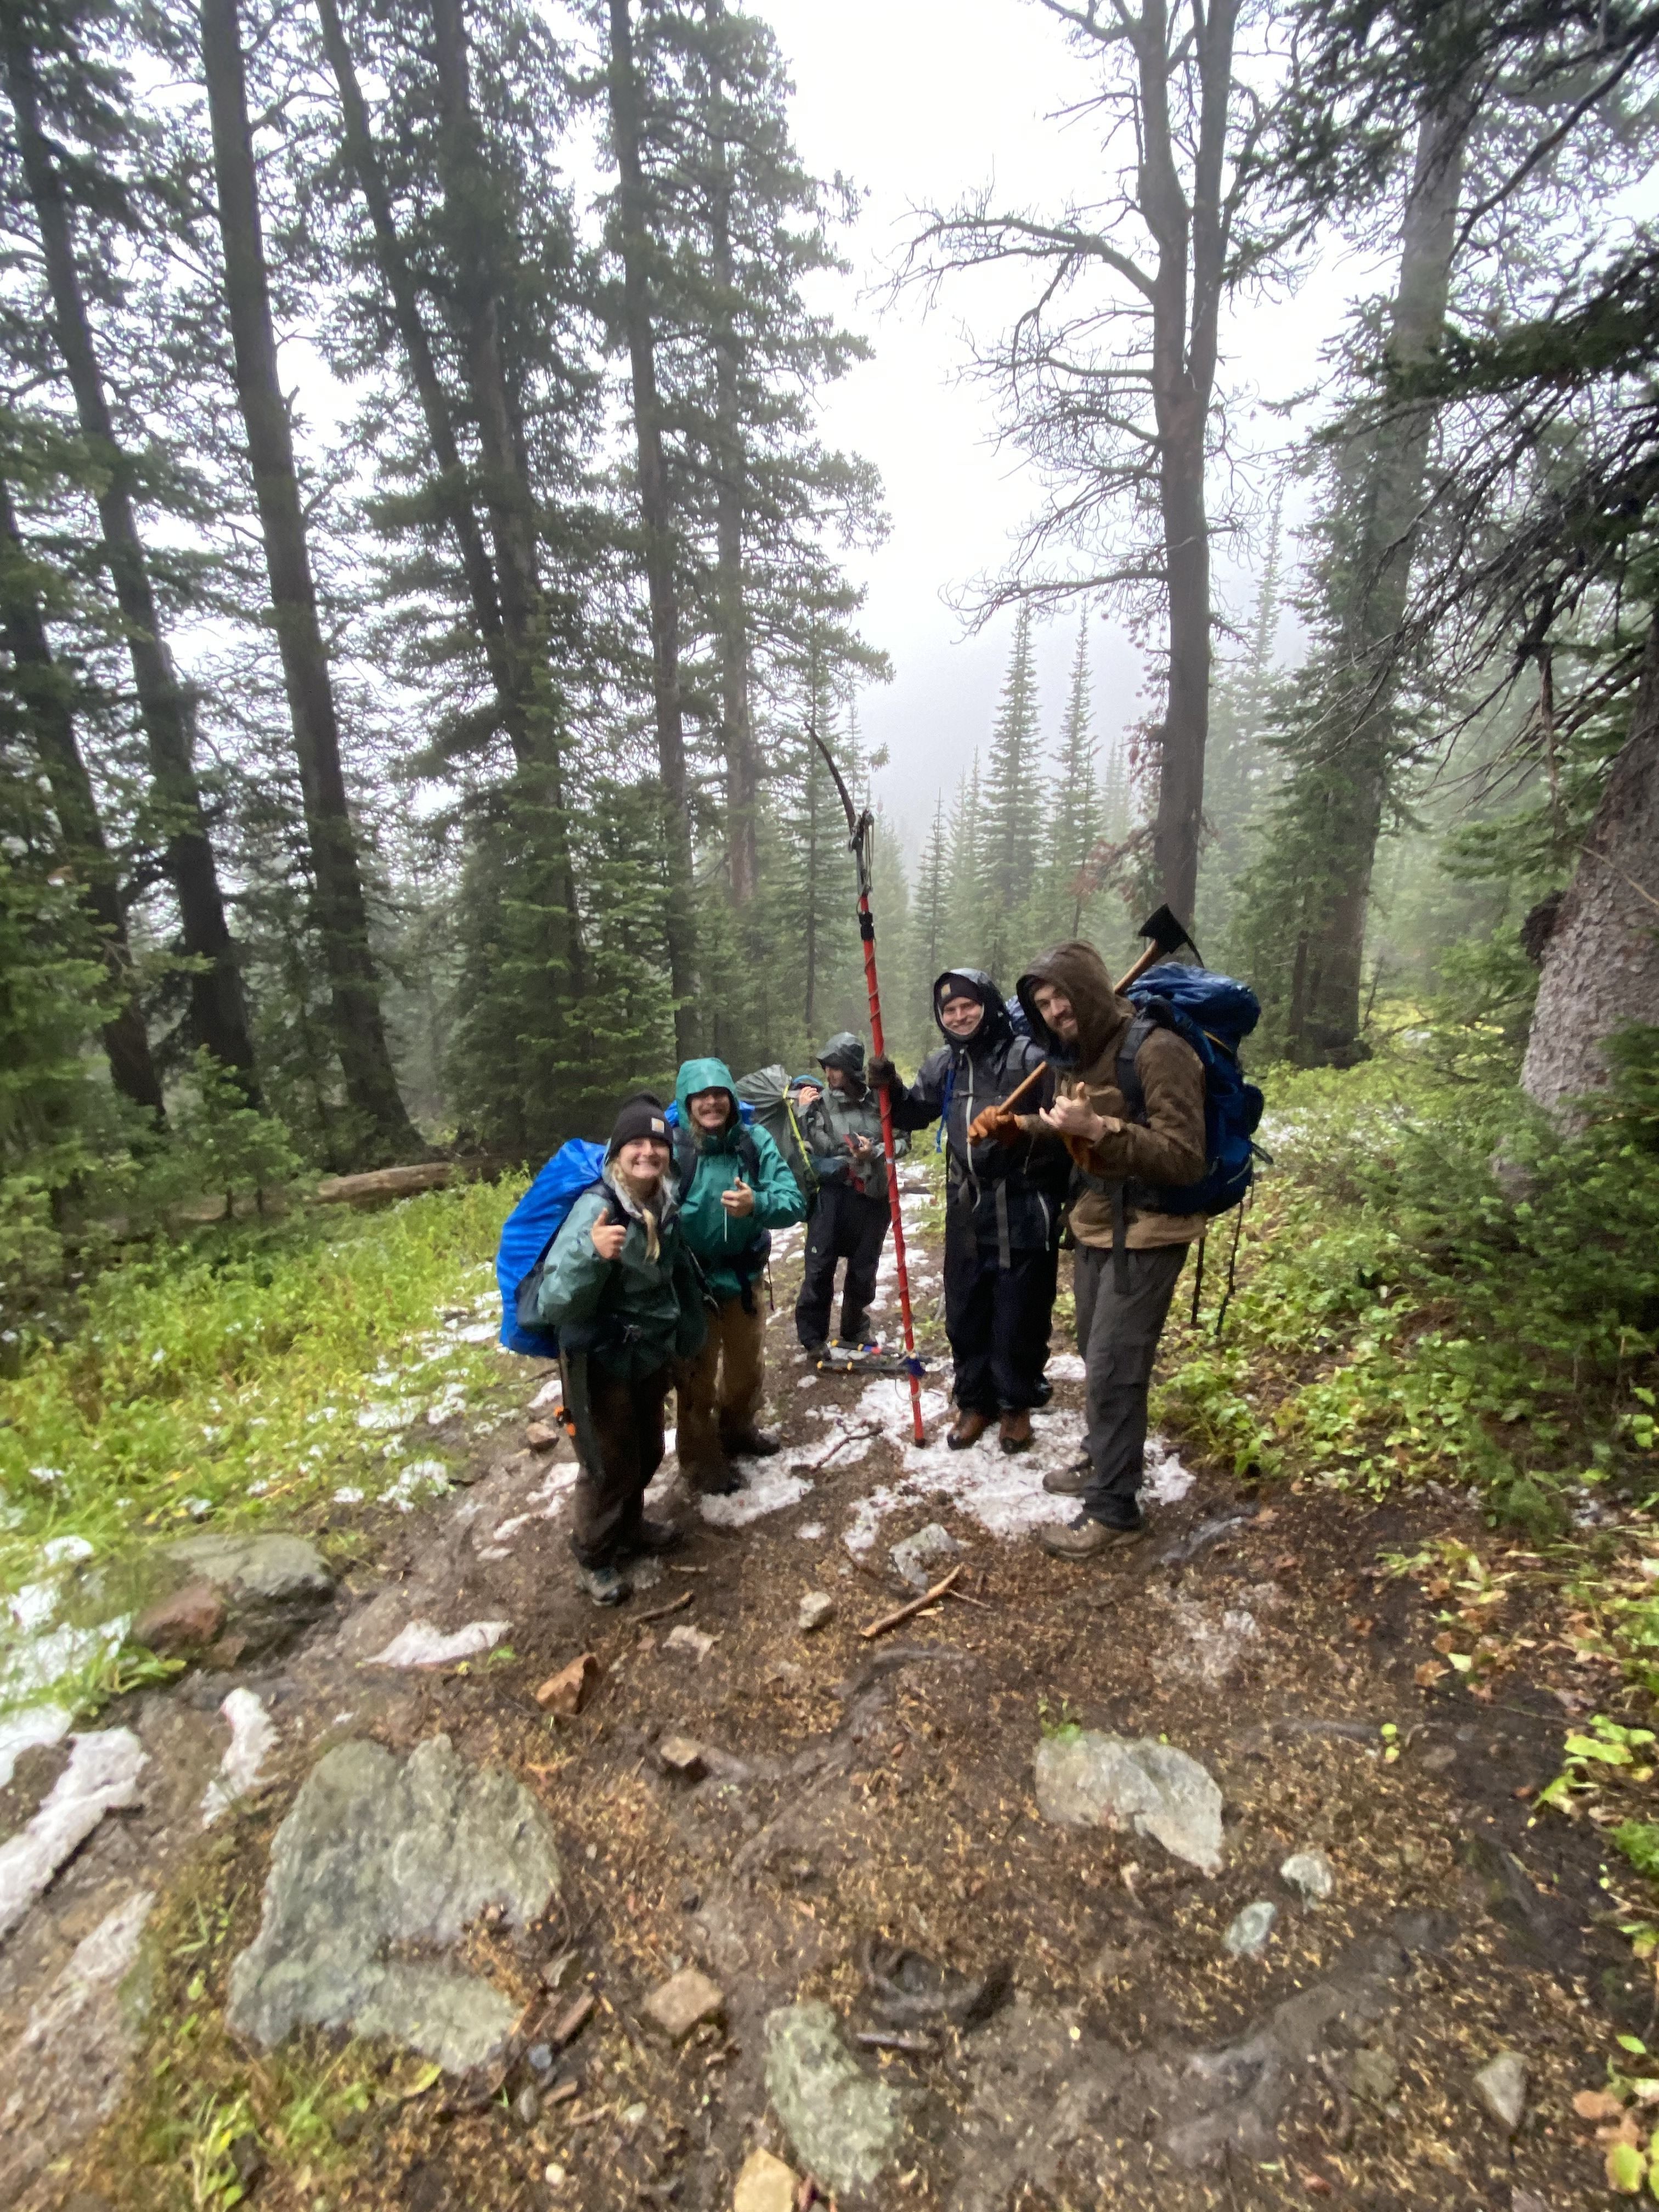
(1600, 966)
(453, 491)
(656, 517)
(44, 690)
(218, 1013)
(1324, 1016)
(342, 909)
(475, 224)
(737, 729)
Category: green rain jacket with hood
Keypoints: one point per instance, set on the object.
(1167, 1148)
(731, 1249)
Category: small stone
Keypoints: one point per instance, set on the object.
(539, 2058)
(691, 1899)
(1310, 1874)
(817, 1609)
(1501, 2087)
(187, 1621)
(680, 1756)
(916, 1559)
(682, 2003)
(1247, 1938)
(691, 1641)
(527, 2106)
(765, 2185)
(554, 2175)
(540, 1438)
(566, 1693)
(1373, 2076)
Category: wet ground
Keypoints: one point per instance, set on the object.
(851, 1793)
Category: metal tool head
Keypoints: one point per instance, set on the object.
(1167, 934)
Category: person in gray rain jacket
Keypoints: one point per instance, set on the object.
(624, 1294)
(849, 1220)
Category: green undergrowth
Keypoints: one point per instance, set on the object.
(1433, 1286)
(250, 1375)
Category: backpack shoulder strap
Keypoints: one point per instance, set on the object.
(1129, 1079)
(685, 1158)
(749, 1152)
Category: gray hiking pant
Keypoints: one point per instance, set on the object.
(1117, 1335)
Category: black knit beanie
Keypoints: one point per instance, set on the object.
(638, 1116)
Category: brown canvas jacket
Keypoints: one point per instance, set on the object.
(1168, 1147)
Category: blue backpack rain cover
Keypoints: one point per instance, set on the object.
(1214, 1015)
(529, 1231)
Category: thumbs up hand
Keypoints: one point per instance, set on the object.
(738, 1201)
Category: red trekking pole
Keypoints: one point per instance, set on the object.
(862, 829)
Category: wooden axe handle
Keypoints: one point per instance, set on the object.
(1020, 1088)
(1153, 953)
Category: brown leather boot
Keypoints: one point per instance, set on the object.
(969, 1426)
(1014, 1431)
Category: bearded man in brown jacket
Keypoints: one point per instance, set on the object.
(1129, 1252)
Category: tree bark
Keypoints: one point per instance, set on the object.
(454, 493)
(218, 1013)
(1600, 966)
(44, 690)
(656, 517)
(511, 503)
(342, 909)
(737, 732)
(1324, 1019)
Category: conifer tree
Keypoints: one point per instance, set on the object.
(1012, 833)
(1077, 821)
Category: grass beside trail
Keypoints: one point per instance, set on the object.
(247, 1375)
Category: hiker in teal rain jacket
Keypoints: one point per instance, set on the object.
(734, 1189)
(622, 1290)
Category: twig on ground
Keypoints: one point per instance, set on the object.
(907, 1612)
(662, 1612)
(847, 1436)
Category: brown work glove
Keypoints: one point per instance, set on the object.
(996, 1122)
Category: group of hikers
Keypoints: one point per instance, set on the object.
(651, 1281)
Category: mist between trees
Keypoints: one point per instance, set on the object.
(432, 779)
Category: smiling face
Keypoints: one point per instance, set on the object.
(961, 1016)
(710, 1110)
(1057, 1010)
(644, 1161)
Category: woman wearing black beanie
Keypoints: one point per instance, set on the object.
(623, 1294)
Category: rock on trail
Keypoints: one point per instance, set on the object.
(377, 1853)
(1092, 1780)
(845, 2125)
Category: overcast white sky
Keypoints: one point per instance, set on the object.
(917, 101)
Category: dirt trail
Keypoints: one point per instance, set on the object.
(854, 1794)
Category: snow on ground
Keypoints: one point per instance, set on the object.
(252, 1734)
(21, 1732)
(102, 1773)
(421, 1644)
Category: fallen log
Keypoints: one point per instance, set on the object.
(378, 1184)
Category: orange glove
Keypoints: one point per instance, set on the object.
(996, 1122)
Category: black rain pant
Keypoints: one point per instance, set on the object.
(619, 1441)
(844, 1225)
(997, 1318)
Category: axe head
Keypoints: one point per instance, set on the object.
(1167, 935)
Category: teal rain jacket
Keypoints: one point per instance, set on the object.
(731, 1249)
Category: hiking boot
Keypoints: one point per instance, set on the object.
(1014, 1431)
(1086, 1538)
(815, 1350)
(604, 1585)
(752, 1444)
(656, 1536)
(969, 1426)
(1071, 1481)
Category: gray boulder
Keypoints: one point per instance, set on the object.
(1091, 1780)
(1247, 1936)
(846, 2127)
(377, 1853)
(273, 1585)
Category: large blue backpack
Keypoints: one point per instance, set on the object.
(527, 1236)
(1213, 1014)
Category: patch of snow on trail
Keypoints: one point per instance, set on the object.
(421, 1644)
(21, 1732)
(1166, 1481)
(772, 1488)
(1066, 1367)
(102, 1774)
(252, 1734)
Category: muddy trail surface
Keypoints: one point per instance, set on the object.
(1160, 1882)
